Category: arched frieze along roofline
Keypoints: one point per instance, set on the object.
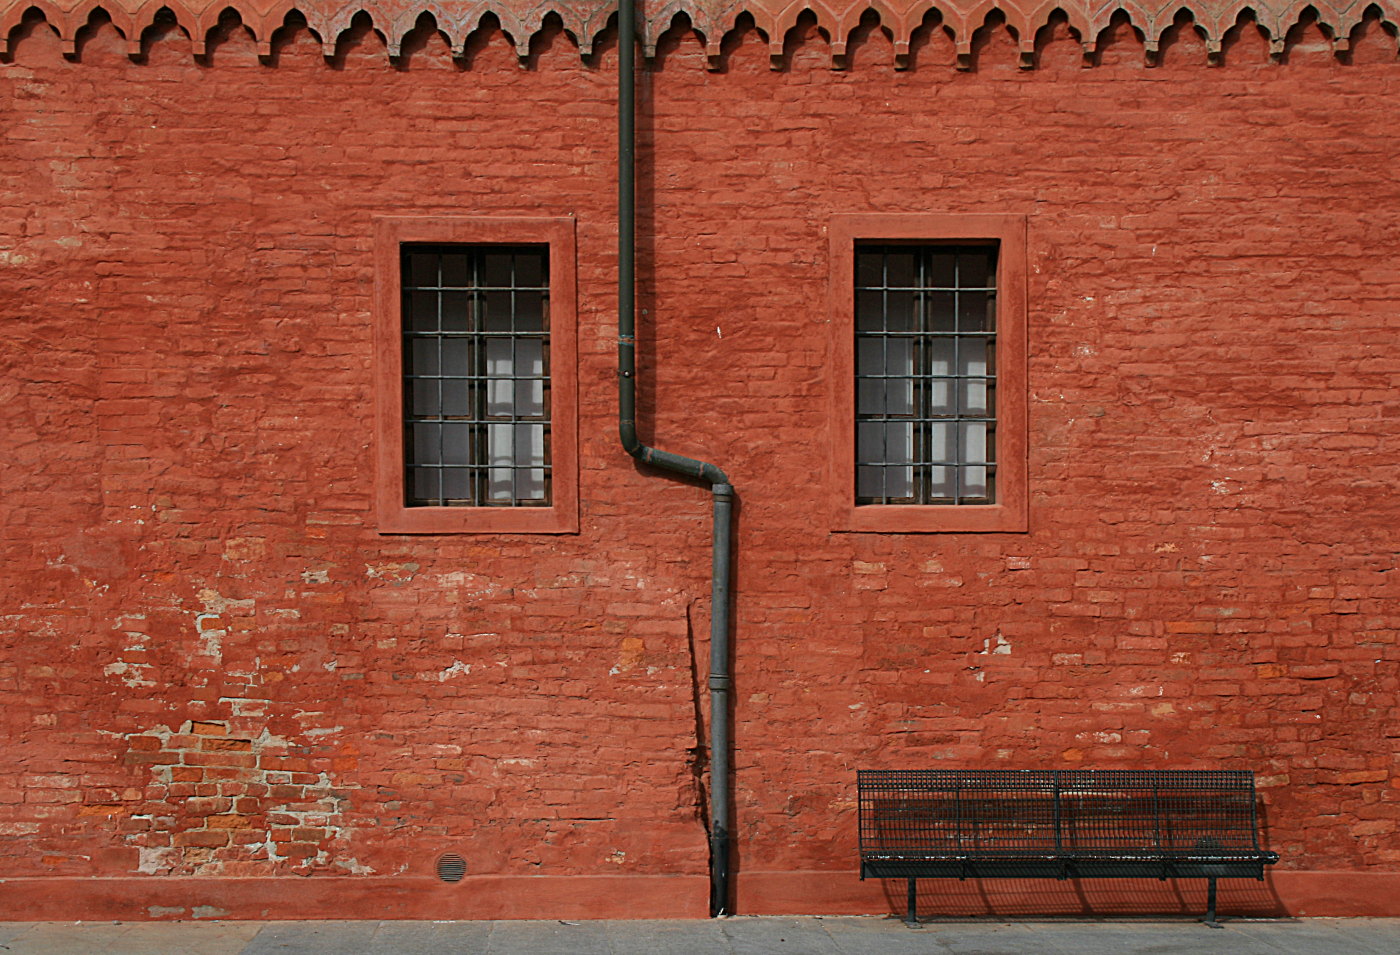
(660, 22)
(899, 19)
(763, 21)
(711, 20)
(147, 19)
(826, 21)
(80, 17)
(1076, 18)
(1388, 14)
(1329, 19)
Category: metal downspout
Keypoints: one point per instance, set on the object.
(720, 680)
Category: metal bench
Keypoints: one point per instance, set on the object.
(1060, 824)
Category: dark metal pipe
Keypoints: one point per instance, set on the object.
(721, 683)
(720, 680)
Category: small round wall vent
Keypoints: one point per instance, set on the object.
(451, 867)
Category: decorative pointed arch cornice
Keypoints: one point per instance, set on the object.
(711, 20)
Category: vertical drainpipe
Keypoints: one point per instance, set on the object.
(720, 680)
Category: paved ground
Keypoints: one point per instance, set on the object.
(734, 936)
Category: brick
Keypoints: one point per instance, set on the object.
(186, 408)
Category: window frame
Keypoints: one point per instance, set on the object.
(1008, 231)
(394, 515)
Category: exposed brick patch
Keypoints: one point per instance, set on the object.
(221, 804)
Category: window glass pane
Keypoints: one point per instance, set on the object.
(500, 482)
(940, 483)
(529, 445)
(497, 270)
(972, 356)
(870, 396)
(899, 356)
(869, 269)
(899, 311)
(456, 356)
(422, 356)
(973, 269)
(938, 388)
(942, 314)
(422, 311)
(938, 397)
(974, 442)
(498, 312)
(529, 270)
(423, 397)
(456, 311)
(973, 399)
(899, 270)
(972, 365)
(942, 270)
(939, 447)
(870, 481)
(529, 312)
(500, 445)
(456, 484)
(972, 311)
(456, 442)
(529, 356)
(425, 443)
(422, 270)
(899, 483)
(529, 399)
(456, 398)
(500, 367)
(899, 442)
(456, 270)
(974, 482)
(870, 356)
(870, 442)
(870, 315)
(529, 484)
(424, 484)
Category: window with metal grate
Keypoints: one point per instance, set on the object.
(476, 376)
(928, 373)
(925, 329)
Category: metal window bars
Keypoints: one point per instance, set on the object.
(476, 375)
(925, 341)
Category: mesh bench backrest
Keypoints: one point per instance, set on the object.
(1013, 812)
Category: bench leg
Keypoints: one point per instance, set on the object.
(1210, 905)
(912, 918)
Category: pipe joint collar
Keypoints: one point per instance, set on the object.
(721, 682)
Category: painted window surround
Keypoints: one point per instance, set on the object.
(1010, 513)
(393, 515)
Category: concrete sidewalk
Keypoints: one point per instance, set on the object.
(740, 936)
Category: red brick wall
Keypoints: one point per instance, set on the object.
(213, 665)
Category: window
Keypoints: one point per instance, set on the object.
(476, 375)
(929, 342)
(475, 380)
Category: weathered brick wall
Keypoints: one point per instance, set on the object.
(214, 665)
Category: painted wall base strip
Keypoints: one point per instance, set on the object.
(1282, 894)
(340, 897)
